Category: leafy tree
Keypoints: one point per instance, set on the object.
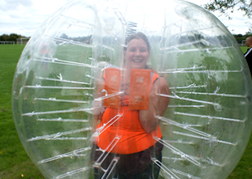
(64, 36)
(4, 37)
(239, 38)
(225, 5)
(14, 37)
(11, 37)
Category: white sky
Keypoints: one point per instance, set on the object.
(25, 16)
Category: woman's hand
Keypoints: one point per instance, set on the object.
(157, 105)
(125, 88)
(98, 109)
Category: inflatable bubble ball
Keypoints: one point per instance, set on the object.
(132, 89)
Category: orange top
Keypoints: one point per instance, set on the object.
(120, 130)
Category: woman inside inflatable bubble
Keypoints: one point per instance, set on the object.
(125, 142)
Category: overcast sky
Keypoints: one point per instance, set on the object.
(25, 16)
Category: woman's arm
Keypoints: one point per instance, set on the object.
(98, 104)
(157, 105)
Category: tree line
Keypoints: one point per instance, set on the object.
(241, 38)
(11, 37)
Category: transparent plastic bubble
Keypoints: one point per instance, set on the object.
(206, 125)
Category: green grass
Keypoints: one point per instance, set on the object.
(14, 162)
(244, 168)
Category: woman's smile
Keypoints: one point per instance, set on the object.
(137, 54)
(137, 60)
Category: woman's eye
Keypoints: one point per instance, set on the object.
(143, 50)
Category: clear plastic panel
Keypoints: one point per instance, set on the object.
(58, 90)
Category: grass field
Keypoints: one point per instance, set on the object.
(14, 162)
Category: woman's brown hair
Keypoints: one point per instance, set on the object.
(138, 35)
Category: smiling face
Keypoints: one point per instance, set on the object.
(137, 54)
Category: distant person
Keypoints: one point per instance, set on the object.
(45, 53)
(248, 54)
